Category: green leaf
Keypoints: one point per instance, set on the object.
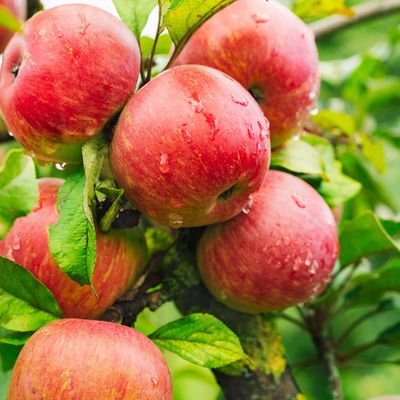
(25, 303)
(367, 235)
(72, 239)
(372, 149)
(185, 16)
(18, 186)
(298, 156)
(14, 338)
(134, 13)
(314, 9)
(335, 122)
(163, 46)
(390, 336)
(369, 288)
(115, 195)
(201, 339)
(8, 20)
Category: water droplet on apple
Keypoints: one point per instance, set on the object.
(249, 205)
(314, 267)
(175, 220)
(312, 95)
(278, 265)
(300, 202)
(212, 123)
(164, 163)
(243, 102)
(11, 134)
(286, 240)
(308, 259)
(314, 111)
(297, 264)
(250, 132)
(42, 32)
(16, 245)
(260, 18)
(84, 24)
(154, 381)
(61, 166)
(196, 103)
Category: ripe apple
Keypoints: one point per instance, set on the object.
(270, 51)
(190, 147)
(61, 80)
(75, 359)
(279, 254)
(18, 8)
(121, 256)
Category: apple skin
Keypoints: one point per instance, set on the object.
(205, 135)
(75, 359)
(279, 254)
(77, 66)
(269, 50)
(121, 257)
(19, 9)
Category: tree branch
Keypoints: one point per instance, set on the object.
(362, 12)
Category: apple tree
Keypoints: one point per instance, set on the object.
(200, 200)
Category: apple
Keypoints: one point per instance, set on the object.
(190, 147)
(279, 254)
(270, 51)
(75, 359)
(121, 257)
(19, 9)
(64, 77)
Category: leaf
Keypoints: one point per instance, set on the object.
(115, 195)
(8, 20)
(372, 149)
(72, 239)
(18, 186)
(201, 339)
(135, 13)
(298, 156)
(335, 122)
(390, 336)
(163, 47)
(14, 338)
(366, 235)
(314, 155)
(25, 303)
(314, 9)
(185, 16)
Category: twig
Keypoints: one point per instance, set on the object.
(292, 320)
(362, 12)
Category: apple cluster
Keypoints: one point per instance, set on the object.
(191, 148)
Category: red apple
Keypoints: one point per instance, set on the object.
(279, 254)
(61, 80)
(74, 359)
(270, 51)
(121, 256)
(18, 8)
(190, 147)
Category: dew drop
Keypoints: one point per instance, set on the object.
(278, 265)
(314, 111)
(84, 25)
(260, 18)
(42, 32)
(164, 163)
(154, 381)
(16, 246)
(300, 202)
(11, 134)
(250, 132)
(196, 103)
(175, 220)
(243, 102)
(308, 259)
(61, 166)
(297, 264)
(314, 267)
(212, 123)
(249, 205)
(312, 95)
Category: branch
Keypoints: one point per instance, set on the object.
(362, 12)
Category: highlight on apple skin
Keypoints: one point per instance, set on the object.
(19, 9)
(200, 153)
(61, 80)
(121, 257)
(270, 51)
(278, 255)
(75, 359)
